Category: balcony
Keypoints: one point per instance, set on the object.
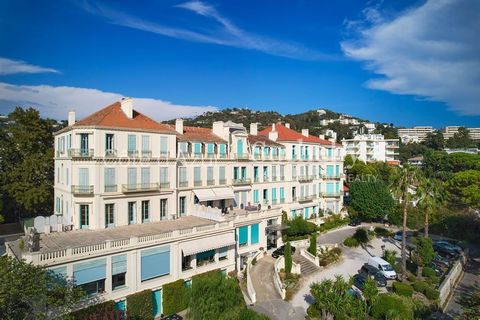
(222, 181)
(197, 155)
(112, 188)
(305, 178)
(82, 190)
(332, 176)
(243, 181)
(331, 194)
(282, 178)
(241, 156)
(80, 153)
(146, 153)
(110, 153)
(274, 178)
(164, 185)
(257, 156)
(164, 154)
(210, 182)
(183, 184)
(282, 200)
(266, 179)
(132, 153)
(197, 183)
(306, 199)
(141, 187)
(256, 179)
(210, 155)
(222, 156)
(274, 201)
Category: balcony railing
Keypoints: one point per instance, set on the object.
(266, 179)
(210, 182)
(222, 181)
(132, 153)
(331, 194)
(282, 200)
(110, 153)
(306, 198)
(332, 176)
(305, 178)
(242, 181)
(80, 153)
(197, 155)
(241, 156)
(183, 184)
(141, 187)
(274, 178)
(112, 188)
(256, 179)
(257, 156)
(197, 183)
(82, 190)
(164, 185)
(210, 155)
(146, 153)
(222, 156)
(282, 178)
(164, 154)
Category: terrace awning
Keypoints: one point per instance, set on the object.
(206, 244)
(213, 194)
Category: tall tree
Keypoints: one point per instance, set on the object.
(30, 292)
(424, 253)
(461, 139)
(26, 170)
(431, 198)
(371, 199)
(435, 140)
(404, 183)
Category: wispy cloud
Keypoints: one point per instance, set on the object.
(221, 32)
(55, 102)
(430, 51)
(9, 66)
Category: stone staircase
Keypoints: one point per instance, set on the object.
(306, 267)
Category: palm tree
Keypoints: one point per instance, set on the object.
(404, 185)
(432, 196)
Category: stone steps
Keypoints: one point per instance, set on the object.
(307, 268)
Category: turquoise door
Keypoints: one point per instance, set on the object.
(157, 303)
(121, 306)
(307, 215)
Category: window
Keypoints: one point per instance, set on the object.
(197, 148)
(132, 144)
(223, 150)
(67, 177)
(223, 253)
(83, 179)
(254, 233)
(282, 194)
(110, 185)
(294, 172)
(119, 270)
(132, 178)
(132, 212)
(210, 149)
(236, 173)
(294, 153)
(221, 175)
(145, 177)
(146, 146)
(197, 176)
(84, 143)
(255, 196)
(183, 147)
(330, 170)
(182, 177)
(186, 262)
(243, 236)
(210, 180)
(155, 262)
(206, 257)
(163, 209)
(57, 205)
(109, 215)
(83, 216)
(182, 206)
(164, 183)
(282, 172)
(145, 210)
(90, 275)
(164, 146)
(240, 146)
(109, 144)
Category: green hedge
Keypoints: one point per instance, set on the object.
(402, 289)
(391, 306)
(140, 305)
(351, 242)
(97, 311)
(382, 232)
(175, 297)
(432, 293)
(361, 235)
(428, 272)
(332, 222)
(420, 286)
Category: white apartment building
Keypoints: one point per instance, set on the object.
(372, 147)
(451, 130)
(415, 134)
(139, 204)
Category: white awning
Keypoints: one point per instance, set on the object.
(214, 194)
(211, 243)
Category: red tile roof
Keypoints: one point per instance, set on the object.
(113, 116)
(199, 134)
(262, 140)
(287, 134)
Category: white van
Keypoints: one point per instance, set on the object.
(383, 266)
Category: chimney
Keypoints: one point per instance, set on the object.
(273, 126)
(321, 136)
(254, 129)
(287, 125)
(179, 126)
(273, 135)
(71, 118)
(127, 107)
(305, 132)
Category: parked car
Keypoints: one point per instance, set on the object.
(439, 260)
(383, 266)
(375, 274)
(449, 245)
(398, 236)
(355, 292)
(446, 251)
(355, 222)
(281, 251)
(438, 270)
(359, 281)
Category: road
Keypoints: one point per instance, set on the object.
(338, 235)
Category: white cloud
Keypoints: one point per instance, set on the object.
(9, 66)
(55, 102)
(222, 31)
(431, 51)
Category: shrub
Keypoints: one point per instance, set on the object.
(390, 256)
(391, 306)
(332, 222)
(288, 258)
(96, 311)
(428, 272)
(254, 261)
(140, 305)
(361, 235)
(420, 286)
(431, 293)
(299, 227)
(248, 314)
(351, 242)
(382, 232)
(330, 256)
(175, 297)
(313, 244)
(411, 278)
(402, 289)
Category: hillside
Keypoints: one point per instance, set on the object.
(309, 119)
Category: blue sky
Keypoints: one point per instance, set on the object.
(389, 61)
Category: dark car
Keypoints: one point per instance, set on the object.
(355, 222)
(445, 251)
(441, 261)
(375, 274)
(281, 251)
(359, 281)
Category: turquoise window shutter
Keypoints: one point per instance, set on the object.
(282, 193)
(337, 170)
(239, 146)
(210, 148)
(274, 193)
(330, 170)
(306, 213)
(155, 262)
(330, 152)
(223, 149)
(254, 233)
(243, 235)
(198, 148)
(329, 187)
(205, 254)
(337, 187)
